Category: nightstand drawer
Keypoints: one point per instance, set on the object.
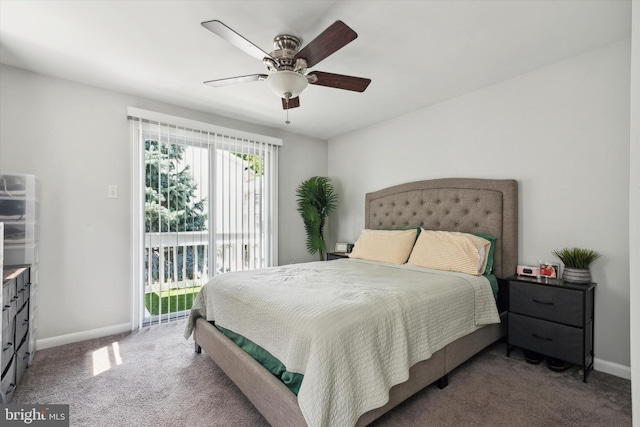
(547, 302)
(552, 339)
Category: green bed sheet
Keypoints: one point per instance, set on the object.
(290, 379)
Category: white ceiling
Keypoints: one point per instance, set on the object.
(417, 53)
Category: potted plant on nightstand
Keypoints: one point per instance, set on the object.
(316, 201)
(576, 263)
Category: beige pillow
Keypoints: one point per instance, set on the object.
(392, 246)
(450, 251)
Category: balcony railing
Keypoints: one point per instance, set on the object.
(174, 257)
(176, 266)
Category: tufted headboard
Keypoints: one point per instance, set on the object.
(453, 204)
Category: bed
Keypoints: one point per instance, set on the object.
(452, 204)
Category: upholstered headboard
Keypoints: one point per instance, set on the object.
(453, 204)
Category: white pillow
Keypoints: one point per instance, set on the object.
(391, 246)
(451, 251)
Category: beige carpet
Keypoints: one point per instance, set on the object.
(154, 378)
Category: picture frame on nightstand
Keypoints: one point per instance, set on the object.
(549, 270)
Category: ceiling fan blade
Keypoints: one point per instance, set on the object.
(340, 81)
(236, 80)
(334, 38)
(220, 29)
(293, 103)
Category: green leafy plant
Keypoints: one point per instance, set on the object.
(576, 257)
(316, 201)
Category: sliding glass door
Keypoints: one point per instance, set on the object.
(206, 206)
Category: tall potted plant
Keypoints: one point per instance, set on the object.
(316, 201)
(576, 263)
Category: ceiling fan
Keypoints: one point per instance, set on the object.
(288, 63)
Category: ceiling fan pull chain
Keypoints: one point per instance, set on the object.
(287, 121)
(287, 96)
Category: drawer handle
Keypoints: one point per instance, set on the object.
(9, 345)
(541, 338)
(6, 307)
(543, 302)
(26, 356)
(11, 388)
(15, 298)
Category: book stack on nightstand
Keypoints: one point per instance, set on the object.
(552, 317)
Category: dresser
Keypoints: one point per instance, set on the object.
(552, 317)
(14, 355)
(336, 255)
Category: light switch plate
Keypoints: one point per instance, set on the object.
(112, 191)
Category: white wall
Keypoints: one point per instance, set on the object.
(634, 212)
(306, 157)
(75, 138)
(561, 131)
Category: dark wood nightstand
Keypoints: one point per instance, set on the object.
(552, 317)
(335, 255)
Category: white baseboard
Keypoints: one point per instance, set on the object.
(612, 368)
(82, 336)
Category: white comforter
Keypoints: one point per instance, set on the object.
(352, 327)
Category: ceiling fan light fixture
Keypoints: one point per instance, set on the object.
(287, 84)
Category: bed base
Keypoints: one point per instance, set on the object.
(279, 406)
(453, 204)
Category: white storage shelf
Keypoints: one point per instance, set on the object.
(19, 195)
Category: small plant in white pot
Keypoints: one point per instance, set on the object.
(576, 263)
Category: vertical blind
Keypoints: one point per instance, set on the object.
(205, 203)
